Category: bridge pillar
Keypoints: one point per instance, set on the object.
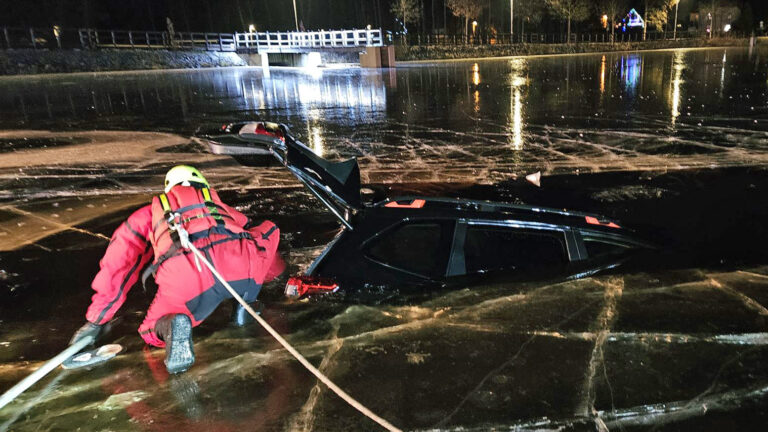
(378, 57)
(388, 56)
(264, 60)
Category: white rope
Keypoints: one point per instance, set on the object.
(184, 237)
(43, 370)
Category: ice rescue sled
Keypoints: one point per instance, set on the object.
(418, 244)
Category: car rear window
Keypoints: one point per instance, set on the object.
(413, 247)
(488, 248)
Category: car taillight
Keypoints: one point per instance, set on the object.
(595, 221)
(415, 204)
(298, 286)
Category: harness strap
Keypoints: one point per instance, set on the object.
(164, 202)
(176, 249)
(186, 220)
(212, 207)
(212, 211)
(180, 211)
(207, 194)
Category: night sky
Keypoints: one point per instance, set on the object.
(273, 15)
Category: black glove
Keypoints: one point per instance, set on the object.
(88, 329)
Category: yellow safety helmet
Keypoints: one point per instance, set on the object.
(183, 175)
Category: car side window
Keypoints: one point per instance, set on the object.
(492, 248)
(597, 248)
(414, 247)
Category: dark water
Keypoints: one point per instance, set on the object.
(671, 143)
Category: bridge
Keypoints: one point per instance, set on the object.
(304, 42)
(296, 48)
(293, 48)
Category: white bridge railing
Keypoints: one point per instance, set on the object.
(57, 38)
(302, 41)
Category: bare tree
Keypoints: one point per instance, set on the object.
(614, 10)
(570, 10)
(466, 9)
(530, 11)
(653, 13)
(422, 17)
(407, 10)
(657, 17)
(432, 11)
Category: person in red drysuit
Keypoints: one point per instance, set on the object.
(245, 255)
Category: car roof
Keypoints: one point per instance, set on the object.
(337, 184)
(501, 210)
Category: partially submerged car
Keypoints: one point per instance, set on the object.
(417, 244)
(249, 143)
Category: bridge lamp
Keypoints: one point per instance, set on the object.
(251, 28)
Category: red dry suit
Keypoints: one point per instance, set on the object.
(247, 257)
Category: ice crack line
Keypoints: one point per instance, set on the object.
(749, 302)
(306, 417)
(53, 222)
(614, 288)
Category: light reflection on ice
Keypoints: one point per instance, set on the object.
(517, 81)
(678, 65)
(630, 67)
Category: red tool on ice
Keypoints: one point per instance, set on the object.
(298, 286)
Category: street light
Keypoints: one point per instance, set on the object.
(57, 35)
(474, 27)
(511, 18)
(295, 15)
(674, 31)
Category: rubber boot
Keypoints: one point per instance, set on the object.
(241, 317)
(176, 331)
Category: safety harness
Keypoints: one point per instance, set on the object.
(173, 218)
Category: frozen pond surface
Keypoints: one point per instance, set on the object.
(673, 143)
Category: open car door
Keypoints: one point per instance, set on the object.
(335, 184)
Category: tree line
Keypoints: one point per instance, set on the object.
(419, 16)
(658, 14)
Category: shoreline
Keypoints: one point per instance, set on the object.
(119, 72)
(27, 62)
(435, 53)
(527, 56)
(333, 66)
